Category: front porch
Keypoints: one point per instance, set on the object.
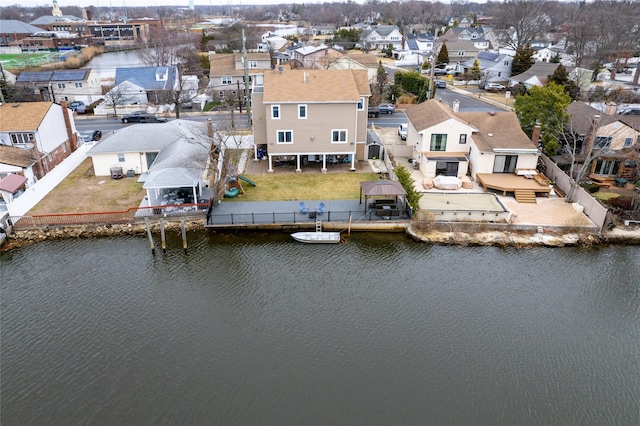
(525, 189)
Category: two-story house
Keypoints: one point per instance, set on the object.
(226, 73)
(62, 85)
(612, 138)
(310, 56)
(472, 34)
(457, 144)
(312, 116)
(495, 67)
(380, 37)
(43, 129)
(354, 61)
(460, 51)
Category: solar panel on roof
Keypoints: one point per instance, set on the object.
(34, 76)
(69, 75)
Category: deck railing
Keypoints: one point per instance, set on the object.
(296, 217)
(131, 215)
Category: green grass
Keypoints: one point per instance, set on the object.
(331, 186)
(604, 195)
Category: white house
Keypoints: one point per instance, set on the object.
(381, 36)
(455, 144)
(494, 66)
(44, 129)
(136, 147)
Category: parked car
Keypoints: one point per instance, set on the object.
(441, 84)
(439, 71)
(386, 109)
(76, 104)
(634, 110)
(402, 131)
(142, 117)
(373, 112)
(494, 87)
(91, 135)
(81, 109)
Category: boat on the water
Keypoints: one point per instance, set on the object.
(317, 237)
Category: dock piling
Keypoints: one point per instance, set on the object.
(151, 245)
(184, 236)
(163, 237)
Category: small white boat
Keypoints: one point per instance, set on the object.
(317, 237)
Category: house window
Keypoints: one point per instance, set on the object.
(438, 142)
(120, 158)
(22, 138)
(361, 104)
(460, 52)
(78, 84)
(302, 111)
(227, 79)
(61, 86)
(506, 63)
(275, 111)
(603, 142)
(463, 139)
(628, 142)
(253, 64)
(505, 163)
(606, 167)
(338, 136)
(285, 136)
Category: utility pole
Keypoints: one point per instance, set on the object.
(239, 96)
(433, 65)
(246, 77)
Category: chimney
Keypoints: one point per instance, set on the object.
(535, 135)
(610, 108)
(209, 127)
(73, 140)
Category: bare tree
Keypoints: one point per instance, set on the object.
(168, 48)
(115, 97)
(527, 18)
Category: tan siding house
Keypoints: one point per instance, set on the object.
(311, 116)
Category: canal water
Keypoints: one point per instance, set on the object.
(105, 64)
(259, 329)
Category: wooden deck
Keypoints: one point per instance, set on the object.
(525, 189)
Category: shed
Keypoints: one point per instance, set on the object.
(10, 184)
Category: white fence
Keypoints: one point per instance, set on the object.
(592, 208)
(37, 191)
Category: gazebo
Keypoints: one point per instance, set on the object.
(383, 191)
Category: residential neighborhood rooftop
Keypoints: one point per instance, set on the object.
(315, 86)
(23, 116)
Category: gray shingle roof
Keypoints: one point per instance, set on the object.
(46, 20)
(146, 77)
(149, 137)
(18, 27)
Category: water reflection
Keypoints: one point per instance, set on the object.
(259, 329)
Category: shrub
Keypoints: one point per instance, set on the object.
(591, 187)
(625, 203)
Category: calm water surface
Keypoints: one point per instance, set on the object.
(264, 330)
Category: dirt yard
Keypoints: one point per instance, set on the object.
(82, 192)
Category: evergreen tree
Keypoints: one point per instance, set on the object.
(475, 72)
(545, 105)
(561, 77)
(523, 60)
(443, 55)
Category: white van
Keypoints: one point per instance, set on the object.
(632, 110)
(402, 131)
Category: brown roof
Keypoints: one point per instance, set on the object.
(225, 63)
(15, 156)
(428, 114)
(320, 86)
(365, 59)
(22, 117)
(582, 115)
(497, 130)
(382, 187)
(492, 129)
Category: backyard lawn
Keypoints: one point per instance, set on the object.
(312, 186)
(83, 192)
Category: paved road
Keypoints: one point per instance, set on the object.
(108, 125)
